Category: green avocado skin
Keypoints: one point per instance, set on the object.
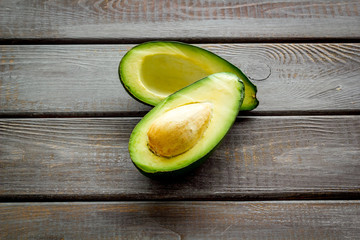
(250, 105)
(175, 174)
(172, 175)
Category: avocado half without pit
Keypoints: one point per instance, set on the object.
(183, 129)
(153, 70)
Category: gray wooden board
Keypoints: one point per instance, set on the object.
(181, 220)
(260, 158)
(82, 80)
(136, 20)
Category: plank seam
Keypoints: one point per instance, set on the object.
(310, 113)
(90, 41)
(340, 196)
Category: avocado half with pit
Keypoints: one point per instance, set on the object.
(183, 129)
(153, 70)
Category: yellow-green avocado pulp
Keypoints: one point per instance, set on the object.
(153, 70)
(197, 117)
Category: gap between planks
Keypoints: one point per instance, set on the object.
(19, 115)
(185, 40)
(291, 197)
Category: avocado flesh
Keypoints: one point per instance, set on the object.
(224, 92)
(151, 71)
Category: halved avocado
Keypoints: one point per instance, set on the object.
(151, 71)
(183, 129)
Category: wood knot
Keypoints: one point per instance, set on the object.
(257, 71)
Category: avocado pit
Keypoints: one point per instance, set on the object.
(179, 129)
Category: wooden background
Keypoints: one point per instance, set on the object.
(287, 170)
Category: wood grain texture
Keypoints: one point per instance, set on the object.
(260, 158)
(82, 80)
(136, 20)
(181, 220)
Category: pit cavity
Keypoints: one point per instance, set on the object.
(164, 74)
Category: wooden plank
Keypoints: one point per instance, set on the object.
(136, 20)
(181, 220)
(261, 158)
(74, 80)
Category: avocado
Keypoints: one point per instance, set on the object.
(153, 70)
(183, 129)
